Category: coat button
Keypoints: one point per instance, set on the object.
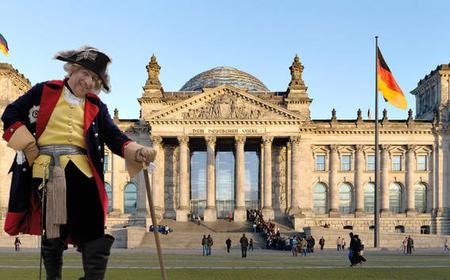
(96, 134)
(101, 160)
(93, 123)
(99, 148)
(24, 169)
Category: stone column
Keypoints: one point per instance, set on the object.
(438, 174)
(210, 214)
(268, 210)
(295, 175)
(142, 206)
(5, 178)
(359, 167)
(441, 182)
(288, 177)
(158, 177)
(261, 175)
(240, 212)
(333, 188)
(305, 168)
(183, 208)
(384, 209)
(116, 185)
(409, 183)
(441, 174)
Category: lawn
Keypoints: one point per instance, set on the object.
(131, 264)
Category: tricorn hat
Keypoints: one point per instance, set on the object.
(91, 59)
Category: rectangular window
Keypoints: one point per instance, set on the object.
(422, 162)
(371, 163)
(320, 162)
(346, 162)
(396, 163)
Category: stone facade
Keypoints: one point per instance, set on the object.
(296, 155)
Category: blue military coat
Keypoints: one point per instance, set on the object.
(34, 109)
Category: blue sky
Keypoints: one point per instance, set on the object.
(334, 39)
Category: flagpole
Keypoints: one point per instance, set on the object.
(376, 216)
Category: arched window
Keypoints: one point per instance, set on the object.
(421, 198)
(320, 198)
(108, 190)
(395, 198)
(130, 199)
(369, 197)
(345, 198)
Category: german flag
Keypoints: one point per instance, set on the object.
(387, 84)
(3, 45)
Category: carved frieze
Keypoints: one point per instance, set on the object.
(224, 104)
(225, 107)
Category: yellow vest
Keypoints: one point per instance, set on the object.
(65, 127)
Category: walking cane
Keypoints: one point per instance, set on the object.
(42, 187)
(153, 216)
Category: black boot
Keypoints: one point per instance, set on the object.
(52, 251)
(95, 256)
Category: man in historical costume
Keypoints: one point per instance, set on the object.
(59, 129)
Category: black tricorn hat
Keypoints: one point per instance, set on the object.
(91, 59)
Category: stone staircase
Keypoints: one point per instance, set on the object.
(188, 235)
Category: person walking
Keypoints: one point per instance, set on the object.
(244, 245)
(356, 247)
(351, 248)
(446, 245)
(205, 245)
(338, 243)
(405, 244)
(228, 244)
(303, 245)
(210, 243)
(17, 244)
(410, 245)
(321, 243)
(294, 244)
(250, 244)
(59, 129)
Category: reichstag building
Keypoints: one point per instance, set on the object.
(226, 143)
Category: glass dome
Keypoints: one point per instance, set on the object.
(224, 76)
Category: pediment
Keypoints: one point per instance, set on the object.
(224, 103)
(320, 150)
